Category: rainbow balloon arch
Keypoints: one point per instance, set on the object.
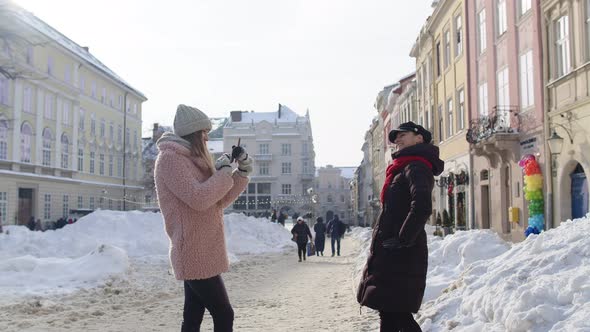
(533, 193)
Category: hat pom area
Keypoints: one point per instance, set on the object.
(190, 119)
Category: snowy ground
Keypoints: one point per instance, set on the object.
(110, 272)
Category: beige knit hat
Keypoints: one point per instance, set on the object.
(189, 120)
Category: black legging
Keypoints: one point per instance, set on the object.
(301, 249)
(398, 321)
(211, 294)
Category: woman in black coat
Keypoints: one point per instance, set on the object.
(301, 232)
(320, 236)
(394, 277)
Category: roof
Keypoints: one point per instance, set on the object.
(286, 116)
(347, 172)
(44, 28)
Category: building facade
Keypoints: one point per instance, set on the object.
(506, 103)
(566, 46)
(333, 189)
(281, 144)
(69, 126)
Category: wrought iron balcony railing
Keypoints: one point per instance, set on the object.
(504, 120)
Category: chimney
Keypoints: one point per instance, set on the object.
(155, 132)
(236, 116)
(86, 49)
(279, 110)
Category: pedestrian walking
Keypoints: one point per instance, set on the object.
(301, 233)
(282, 217)
(394, 277)
(336, 229)
(31, 223)
(193, 192)
(320, 236)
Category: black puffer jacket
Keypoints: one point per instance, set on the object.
(302, 231)
(394, 279)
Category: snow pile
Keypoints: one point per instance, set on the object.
(100, 246)
(540, 284)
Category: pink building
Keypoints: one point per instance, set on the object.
(506, 107)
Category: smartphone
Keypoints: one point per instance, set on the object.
(232, 157)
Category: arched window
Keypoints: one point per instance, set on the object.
(329, 198)
(26, 132)
(65, 151)
(3, 139)
(47, 139)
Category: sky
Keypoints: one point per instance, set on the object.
(331, 57)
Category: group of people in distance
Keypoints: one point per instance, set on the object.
(193, 191)
(335, 230)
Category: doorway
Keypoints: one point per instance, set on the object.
(25, 205)
(579, 192)
(485, 207)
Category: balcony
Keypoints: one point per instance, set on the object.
(263, 157)
(496, 133)
(308, 176)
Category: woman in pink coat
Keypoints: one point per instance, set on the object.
(193, 191)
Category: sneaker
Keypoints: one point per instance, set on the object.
(299, 260)
(338, 254)
(332, 254)
(322, 253)
(303, 257)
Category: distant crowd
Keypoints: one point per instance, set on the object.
(38, 225)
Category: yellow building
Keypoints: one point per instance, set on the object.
(70, 128)
(441, 81)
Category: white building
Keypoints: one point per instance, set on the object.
(281, 144)
(70, 127)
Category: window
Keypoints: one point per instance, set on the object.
(330, 200)
(47, 206)
(111, 131)
(47, 139)
(461, 110)
(93, 89)
(526, 80)
(120, 167)
(482, 31)
(92, 124)
(305, 167)
(4, 92)
(101, 163)
(27, 100)
(66, 206)
(502, 88)
(286, 149)
(111, 99)
(25, 142)
(525, 6)
(50, 65)
(102, 128)
(263, 168)
(562, 46)
(450, 117)
(81, 119)
(3, 207)
(458, 36)
(80, 160)
(134, 139)
(65, 118)
(440, 123)
(92, 162)
(119, 134)
(65, 151)
(80, 202)
(111, 203)
(286, 168)
(263, 148)
(103, 96)
(3, 139)
(447, 59)
(49, 106)
(304, 148)
(438, 72)
(286, 189)
(483, 99)
(127, 137)
(501, 21)
(91, 203)
(30, 55)
(82, 83)
(120, 104)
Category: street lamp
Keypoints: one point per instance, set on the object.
(555, 143)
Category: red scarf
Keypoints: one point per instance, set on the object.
(398, 164)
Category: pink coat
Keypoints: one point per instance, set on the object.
(192, 205)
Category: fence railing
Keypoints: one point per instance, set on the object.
(502, 119)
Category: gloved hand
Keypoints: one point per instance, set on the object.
(394, 243)
(238, 153)
(223, 163)
(244, 170)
